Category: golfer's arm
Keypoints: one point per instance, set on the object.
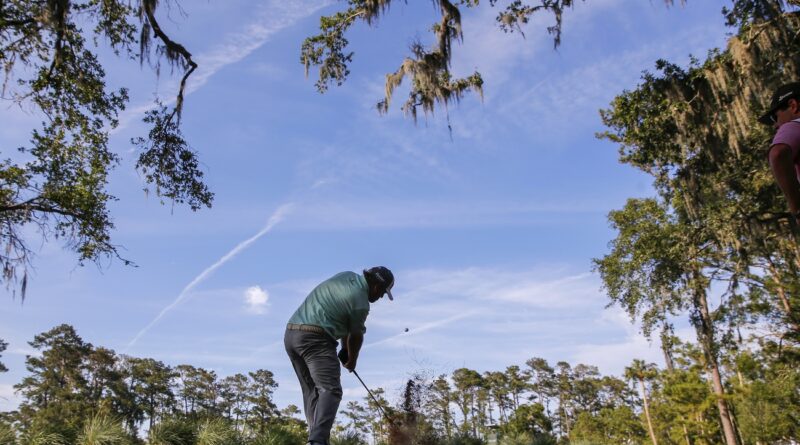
(354, 342)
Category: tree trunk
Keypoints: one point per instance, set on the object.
(566, 421)
(686, 435)
(785, 305)
(666, 347)
(668, 359)
(502, 409)
(705, 333)
(647, 413)
(700, 419)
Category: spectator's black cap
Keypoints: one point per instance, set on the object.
(779, 99)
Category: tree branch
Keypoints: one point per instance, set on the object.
(34, 205)
(172, 48)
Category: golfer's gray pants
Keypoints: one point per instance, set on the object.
(315, 362)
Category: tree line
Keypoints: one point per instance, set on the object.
(544, 403)
(78, 393)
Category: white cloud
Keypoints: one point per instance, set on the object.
(256, 299)
(275, 219)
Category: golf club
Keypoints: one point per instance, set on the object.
(373, 397)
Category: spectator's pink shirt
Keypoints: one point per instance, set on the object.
(789, 134)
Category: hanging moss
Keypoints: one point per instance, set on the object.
(717, 107)
(695, 131)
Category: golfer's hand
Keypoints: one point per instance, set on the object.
(350, 365)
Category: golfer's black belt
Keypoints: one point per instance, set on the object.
(305, 327)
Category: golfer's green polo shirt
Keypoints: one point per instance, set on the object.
(339, 305)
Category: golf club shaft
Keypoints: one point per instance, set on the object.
(372, 395)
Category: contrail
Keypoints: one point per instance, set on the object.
(425, 327)
(276, 217)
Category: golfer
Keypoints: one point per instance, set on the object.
(334, 310)
(784, 152)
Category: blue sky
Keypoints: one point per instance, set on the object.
(490, 231)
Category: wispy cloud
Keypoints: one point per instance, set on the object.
(256, 299)
(545, 287)
(458, 310)
(439, 213)
(425, 327)
(276, 218)
(270, 18)
(542, 107)
(23, 351)
(613, 357)
(9, 399)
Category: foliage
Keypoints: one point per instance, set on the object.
(764, 408)
(428, 68)
(86, 394)
(529, 419)
(48, 50)
(101, 429)
(463, 439)
(172, 431)
(527, 439)
(7, 434)
(717, 221)
(611, 426)
(59, 182)
(3, 346)
(215, 432)
(262, 410)
(281, 435)
(348, 438)
(188, 405)
(169, 164)
(40, 437)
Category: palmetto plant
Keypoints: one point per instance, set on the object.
(7, 435)
(215, 432)
(171, 432)
(526, 438)
(38, 437)
(280, 435)
(349, 437)
(102, 429)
